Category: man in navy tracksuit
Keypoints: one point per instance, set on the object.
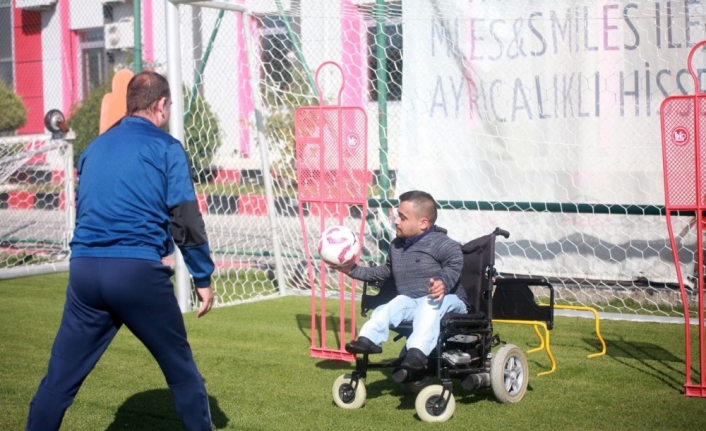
(135, 199)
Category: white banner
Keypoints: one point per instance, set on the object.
(541, 101)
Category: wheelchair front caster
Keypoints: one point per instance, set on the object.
(427, 404)
(509, 374)
(345, 395)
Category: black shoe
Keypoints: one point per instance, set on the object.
(363, 345)
(400, 375)
(415, 360)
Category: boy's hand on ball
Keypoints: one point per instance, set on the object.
(345, 268)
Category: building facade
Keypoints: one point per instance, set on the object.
(54, 52)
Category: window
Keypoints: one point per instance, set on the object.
(6, 63)
(94, 62)
(393, 51)
(277, 49)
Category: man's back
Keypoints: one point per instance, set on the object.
(128, 178)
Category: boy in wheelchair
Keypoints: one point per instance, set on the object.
(425, 265)
(450, 294)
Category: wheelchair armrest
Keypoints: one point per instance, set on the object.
(513, 300)
(371, 301)
(464, 319)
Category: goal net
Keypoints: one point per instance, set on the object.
(538, 117)
(36, 191)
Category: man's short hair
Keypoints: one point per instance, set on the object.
(424, 204)
(144, 91)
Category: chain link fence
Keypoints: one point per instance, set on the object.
(538, 117)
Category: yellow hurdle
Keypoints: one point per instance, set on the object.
(597, 321)
(544, 345)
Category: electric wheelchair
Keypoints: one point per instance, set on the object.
(464, 349)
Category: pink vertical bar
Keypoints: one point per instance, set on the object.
(322, 225)
(699, 221)
(353, 59)
(354, 34)
(699, 226)
(245, 101)
(76, 72)
(70, 63)
(147, 32)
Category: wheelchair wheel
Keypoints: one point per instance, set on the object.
(346, 396)
(509, 374)
(424, 405)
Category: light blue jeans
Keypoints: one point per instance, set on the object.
(424, 313)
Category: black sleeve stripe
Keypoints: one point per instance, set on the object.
(188, 228)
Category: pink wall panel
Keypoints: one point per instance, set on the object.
(28, 67)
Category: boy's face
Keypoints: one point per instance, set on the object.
(408, 222)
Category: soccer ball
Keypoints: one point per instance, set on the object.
(338, 245)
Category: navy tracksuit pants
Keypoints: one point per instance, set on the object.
(102, 295)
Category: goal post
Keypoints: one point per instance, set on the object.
(183, 285)
(36, 203)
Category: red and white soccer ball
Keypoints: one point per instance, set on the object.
(338, 245)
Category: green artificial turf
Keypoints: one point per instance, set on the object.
(255, 360)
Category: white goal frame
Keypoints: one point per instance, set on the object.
(62, 144)
(176, 127)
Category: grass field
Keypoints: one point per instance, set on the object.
(255, 360)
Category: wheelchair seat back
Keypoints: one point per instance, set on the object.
(387, 291)
(477, 275)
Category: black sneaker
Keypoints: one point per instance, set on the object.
(414, 360)
(399, 375)
(363, 345)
